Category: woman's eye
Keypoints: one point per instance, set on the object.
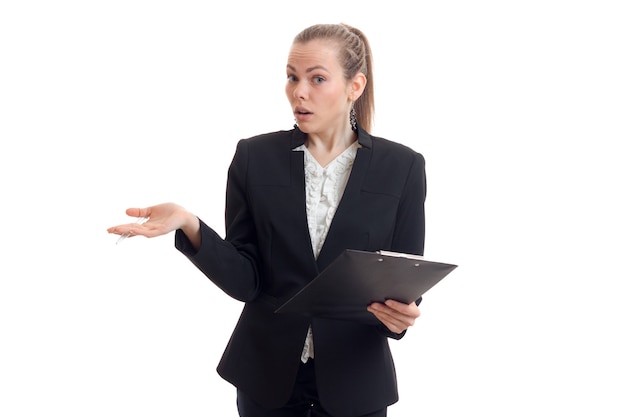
(318, 80)
(291, 78)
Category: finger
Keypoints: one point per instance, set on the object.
(389, 318)
(398, 318)
(409, 310)
(389, 323)
(399, 306)
(138, 212)
(119, 230)
(130, 229)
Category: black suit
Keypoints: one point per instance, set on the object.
(267, 256)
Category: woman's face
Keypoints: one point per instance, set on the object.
(317, 89)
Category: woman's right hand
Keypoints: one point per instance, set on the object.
(163, 218)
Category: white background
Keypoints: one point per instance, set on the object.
(518, 108)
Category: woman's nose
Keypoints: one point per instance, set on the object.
(300, 90)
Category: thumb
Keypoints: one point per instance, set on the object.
(138, 212)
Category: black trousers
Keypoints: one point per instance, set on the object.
(303, 401)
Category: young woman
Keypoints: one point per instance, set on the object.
(294, 201)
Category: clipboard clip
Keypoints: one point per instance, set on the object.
(400, 255)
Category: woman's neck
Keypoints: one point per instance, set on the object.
(325, 148)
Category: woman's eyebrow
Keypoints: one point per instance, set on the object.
(313, 68)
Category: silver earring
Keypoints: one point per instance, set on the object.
(353, 119)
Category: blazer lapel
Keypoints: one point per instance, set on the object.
(348, 208)
(298, 188)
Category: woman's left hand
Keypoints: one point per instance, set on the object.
(395, 315)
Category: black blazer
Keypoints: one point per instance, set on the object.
(267, 256)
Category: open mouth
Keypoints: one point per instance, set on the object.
(302, 114)
(302, 111)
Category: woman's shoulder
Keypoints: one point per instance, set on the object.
(267, 148)
(392, 166)
(269, 138)
(389, 148)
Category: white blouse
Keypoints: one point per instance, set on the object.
(324, 188)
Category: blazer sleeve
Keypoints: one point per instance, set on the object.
(230, 263)
(409, 233)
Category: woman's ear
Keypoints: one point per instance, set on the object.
(357, 85)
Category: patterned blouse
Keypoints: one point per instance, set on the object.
(324, 188)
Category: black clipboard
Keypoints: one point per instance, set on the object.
(355, 279)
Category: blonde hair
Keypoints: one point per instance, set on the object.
(354, 56)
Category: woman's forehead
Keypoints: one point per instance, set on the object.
(315, 52)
